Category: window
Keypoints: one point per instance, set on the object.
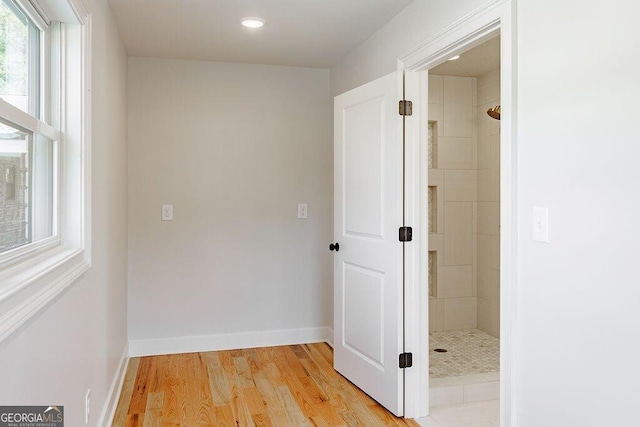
(19, 58)
(44, 153)
(26, 199)
(27, 157)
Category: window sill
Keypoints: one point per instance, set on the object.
(28, 287)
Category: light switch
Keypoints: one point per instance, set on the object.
(167, 212)
(302, 211)
(541, 224)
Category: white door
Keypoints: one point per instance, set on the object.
(368, 200)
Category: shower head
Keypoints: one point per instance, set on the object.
(494, 112)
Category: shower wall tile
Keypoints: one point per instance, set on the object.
(474, 265)
(495, 309)
(436, 243)
(436, 89)
(458, 233)
(455, 153)
(495, 284)
(494, 126)
(455, 281)
(452, 105)
(460, 186)
(436, 314)
(488, 227)
(484, 185)
(488, 218)
(484, 315)
(475, 137)
(489, 87)
(484, 137)
(474, 229)
(436, 179)
(474, 92)
(436, 114)
(458, 106)
(495, 184)
(495, 252)
(495, 150)
(484, 266)
(460, 313)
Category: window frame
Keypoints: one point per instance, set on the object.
(33, 275)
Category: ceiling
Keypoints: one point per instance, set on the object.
(472, 63)
(307, 33)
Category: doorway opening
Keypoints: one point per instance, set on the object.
(464, 227)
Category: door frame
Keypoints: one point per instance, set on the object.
(493, 18)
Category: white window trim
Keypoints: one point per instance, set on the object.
(30, 285)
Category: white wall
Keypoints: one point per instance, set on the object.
(234, 148)
(76, 343)
(577, 317)
(578, 151)
(378, 55)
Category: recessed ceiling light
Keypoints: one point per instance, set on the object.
(252, 22)
(453, 58)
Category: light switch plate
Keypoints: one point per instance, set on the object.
(167, 212)
(302, 211)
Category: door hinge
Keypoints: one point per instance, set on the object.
(405, 108)
(406, 360)
(405, 234)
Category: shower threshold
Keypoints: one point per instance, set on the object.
(464, 367)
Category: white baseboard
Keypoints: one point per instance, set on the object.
(111, 402)
(240, 340)
(329, 339)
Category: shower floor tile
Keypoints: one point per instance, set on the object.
(469, 352)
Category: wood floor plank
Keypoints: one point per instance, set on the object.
(134, 420)
(153, 410)
(243, 371)
(127, 391)
(273, 386)
(277, 413)
(343, 394)
(241, 415)
(256, 406)
(224, 416)
(144, 380)
(171, 386)
(217, 379)
(293, 410)
(197, 390)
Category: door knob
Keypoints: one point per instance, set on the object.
(334, 247)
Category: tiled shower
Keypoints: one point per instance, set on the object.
(464, 203)
(464, 220)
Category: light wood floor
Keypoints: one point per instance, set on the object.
(273, 386)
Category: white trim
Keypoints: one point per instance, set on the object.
(14, 116)
(233, 341)
(483, 23)
(40, 288)
(20, 253)
(30, 285)
(465, 33)
(329, 339)
(416, 288)
(113, 396)
(35, 13)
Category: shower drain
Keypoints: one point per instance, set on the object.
(440, 350)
